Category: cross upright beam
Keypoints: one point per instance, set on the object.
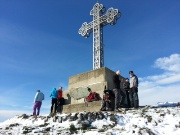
(96, 26)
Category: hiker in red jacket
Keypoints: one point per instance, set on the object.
(60, 100)
(93, 96)
(60, 93)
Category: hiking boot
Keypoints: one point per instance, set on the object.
(123, 109)
(102, 109)
(120, 109)
(35, 116)
(51, 114)
(116, 110)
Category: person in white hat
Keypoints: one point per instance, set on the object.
(116, 90)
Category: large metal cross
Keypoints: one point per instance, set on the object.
(96, 26)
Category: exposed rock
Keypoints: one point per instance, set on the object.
(13, 125)
(46, 119)
(55, 118)
(24, 116)
(162, 114)
(109, 133)
(80, 117)
(60, 119)
(74, 117)
(43, 125)
(67, 117)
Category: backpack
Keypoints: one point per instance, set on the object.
(93, 96)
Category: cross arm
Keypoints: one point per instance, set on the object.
(86, 29)
(111, 17)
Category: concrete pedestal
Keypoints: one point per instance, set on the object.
(96, 80)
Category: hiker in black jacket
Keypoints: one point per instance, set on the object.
(127, 89)
(116, 90)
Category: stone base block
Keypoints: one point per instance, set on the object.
(80, 107)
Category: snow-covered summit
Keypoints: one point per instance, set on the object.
(144, 121)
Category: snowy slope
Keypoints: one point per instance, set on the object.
(144, 121)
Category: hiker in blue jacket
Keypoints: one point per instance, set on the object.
(54, 95)
(37, 102)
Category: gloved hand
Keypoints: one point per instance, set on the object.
(135, 89)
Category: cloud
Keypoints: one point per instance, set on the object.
(172, 78)
(163, 87)
(171, 63)
(153, 95)
(6, 114)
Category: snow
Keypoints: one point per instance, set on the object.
(167, 104)
(145, 121)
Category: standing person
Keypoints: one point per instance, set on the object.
(38, 102)
(127, 89)
(60, 93)
(60, 101)
(54, 96)
(116, 90)
(133, 95)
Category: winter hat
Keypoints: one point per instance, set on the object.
(130, 72)
(118, 72)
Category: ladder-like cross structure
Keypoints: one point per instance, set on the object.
(96, 26)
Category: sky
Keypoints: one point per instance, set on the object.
(40, 48)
